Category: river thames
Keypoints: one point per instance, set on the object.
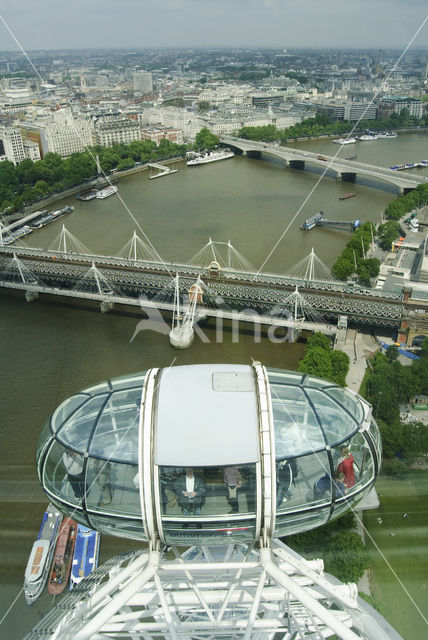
(52, 348)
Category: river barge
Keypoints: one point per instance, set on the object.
(63, 555)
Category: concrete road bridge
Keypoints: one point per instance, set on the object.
(343, 169)
(258, 297)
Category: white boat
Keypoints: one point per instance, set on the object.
(387, 134)
(345, 141)
(414, 225)
(108, 191)
(366, 137)
(40, 559)
(212, 156)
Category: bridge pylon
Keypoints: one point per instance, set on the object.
(66, 242)
(182, 333)
(26, 276)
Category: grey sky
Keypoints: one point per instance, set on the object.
(51, 24)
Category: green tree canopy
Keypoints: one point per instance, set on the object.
(206, 140)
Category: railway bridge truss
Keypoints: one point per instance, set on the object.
(112, 280)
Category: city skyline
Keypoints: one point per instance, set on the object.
(199, 23)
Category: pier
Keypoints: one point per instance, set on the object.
(162, 169)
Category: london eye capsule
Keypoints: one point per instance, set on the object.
(209, 453)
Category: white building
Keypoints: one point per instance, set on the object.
(114, 130)
(60, 133)
(143, 81)
(11, 147)
(32, 150)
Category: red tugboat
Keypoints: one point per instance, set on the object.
(61, 564)
(344, 196)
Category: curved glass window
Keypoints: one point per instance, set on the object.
(336, 424)
(128, 382)
(375, 436)
(76, 432)
(287, 524)
(64, 474)
(207, 492)
(301, 475)
(65, 410)
(117, 427)
(111, 488)
(348, 401)
(121, 528)
(296, 428)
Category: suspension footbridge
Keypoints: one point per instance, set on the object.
(217, 282)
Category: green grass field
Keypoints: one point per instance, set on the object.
(399, 562)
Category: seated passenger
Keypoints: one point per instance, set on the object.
(339, 487)
(190, 492)
(233, 480)
(324, 486)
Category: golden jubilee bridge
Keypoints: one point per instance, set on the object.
(217, 282)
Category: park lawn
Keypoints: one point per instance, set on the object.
(406, 552)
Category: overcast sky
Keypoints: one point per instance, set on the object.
(52, 24)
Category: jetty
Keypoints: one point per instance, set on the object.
(163, 170)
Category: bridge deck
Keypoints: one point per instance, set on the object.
(339, 165)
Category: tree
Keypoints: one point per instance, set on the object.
(392, 353)
(318, 339)
(387, 233)
(340, 366)
(317, 362)
(206, 140)
(342, 268)
(347, 558)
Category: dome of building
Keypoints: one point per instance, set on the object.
(209, 453)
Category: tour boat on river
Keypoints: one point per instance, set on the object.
(345, 196)
(37, 569)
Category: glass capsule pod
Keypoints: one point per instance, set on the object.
(210, 453)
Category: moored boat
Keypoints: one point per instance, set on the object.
(37, 569)
(345, 196)
(61, 212)
(311, 222)
(387, 134)
(85, 558)
(212, 156)
(87, 195)
(63, 555)
(108, 191)
(367, 137)
(345, 141)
